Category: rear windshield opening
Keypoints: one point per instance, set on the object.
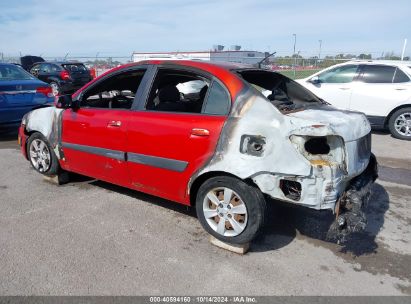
(284, 93)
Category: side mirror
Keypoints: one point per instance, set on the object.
(314, 80)
(64, 102)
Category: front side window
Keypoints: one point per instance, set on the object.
(115, 92)
(177, 91)
(341, 74)
(378, 73)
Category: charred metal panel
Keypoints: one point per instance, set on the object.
(322, 178)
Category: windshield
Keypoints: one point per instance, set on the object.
(13, 72)
(281, 91)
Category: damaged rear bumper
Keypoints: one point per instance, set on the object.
(350, 217)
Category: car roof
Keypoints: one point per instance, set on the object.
(222, 70)
(9, 64)
(59, 62)
(205, 65)
(382, 62)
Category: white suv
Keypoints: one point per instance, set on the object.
(380, 89)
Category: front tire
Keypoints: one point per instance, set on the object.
(400, 124)
(230, 210)
(41, 156)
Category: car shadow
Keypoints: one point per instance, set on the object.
(8, 139)
(287, 221)
(284, 222)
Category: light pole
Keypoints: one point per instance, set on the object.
(295, 42)
(319, 52)
(295, 59)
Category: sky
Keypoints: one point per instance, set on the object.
(119, 27)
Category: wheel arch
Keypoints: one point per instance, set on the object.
(388, 117)
(199, 180)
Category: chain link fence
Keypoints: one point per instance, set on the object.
(294, 67)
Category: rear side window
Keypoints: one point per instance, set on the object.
(378, 73)
(400, 76)
(55, 68)
(218, 101)
(75, 67)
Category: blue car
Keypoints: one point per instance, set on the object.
(20, 92)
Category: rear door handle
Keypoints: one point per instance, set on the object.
(114, 124)
(200, 132)
(344, 88)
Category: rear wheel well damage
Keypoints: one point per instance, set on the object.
(195, 186)
(387, 118)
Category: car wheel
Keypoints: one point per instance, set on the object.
(230, 210)
(400, 124)
(55, 88)
(41, 155)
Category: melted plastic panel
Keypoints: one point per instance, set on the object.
(47, 121)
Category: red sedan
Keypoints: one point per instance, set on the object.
(221, 137)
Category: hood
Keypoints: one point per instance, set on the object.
(326, 120)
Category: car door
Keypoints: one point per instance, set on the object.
(379, 90)
(94, 135)
(170, 140)
(335, 85)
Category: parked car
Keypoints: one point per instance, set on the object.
(380, 89)
(63, 77)
(20, 93)
(222, 147)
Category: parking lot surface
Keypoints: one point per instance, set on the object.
(92, 238)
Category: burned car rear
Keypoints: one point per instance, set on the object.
(297, 148)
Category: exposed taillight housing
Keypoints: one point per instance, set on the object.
(64, 75)
(45, 91)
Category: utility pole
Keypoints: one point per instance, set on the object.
(403, 49)
(319, 52)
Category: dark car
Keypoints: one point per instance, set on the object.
(20, 93)
(63, 77)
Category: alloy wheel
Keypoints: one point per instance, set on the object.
(40, 155)
(402, 124)
(225, 211)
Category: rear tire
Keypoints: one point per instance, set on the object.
(230, 209)
(41, 155)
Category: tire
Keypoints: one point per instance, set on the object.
(240, 226)
(41, 156)
(400, 124)
(55, 88)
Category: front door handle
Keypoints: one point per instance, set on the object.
(114, 124)
(343, 88)
(200, 132)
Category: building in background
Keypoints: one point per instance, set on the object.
(216, 54)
